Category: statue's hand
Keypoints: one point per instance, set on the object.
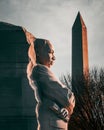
(64, 114)
(60, 112)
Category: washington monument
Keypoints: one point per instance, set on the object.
(79, 48)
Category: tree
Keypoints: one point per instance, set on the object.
(89, 93)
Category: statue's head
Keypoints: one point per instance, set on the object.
(44, 52)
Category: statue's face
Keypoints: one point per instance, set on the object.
(46, 55)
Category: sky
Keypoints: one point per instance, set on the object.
(53, 20)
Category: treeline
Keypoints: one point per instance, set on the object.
(89, 93)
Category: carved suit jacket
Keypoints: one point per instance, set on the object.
(49, 88)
